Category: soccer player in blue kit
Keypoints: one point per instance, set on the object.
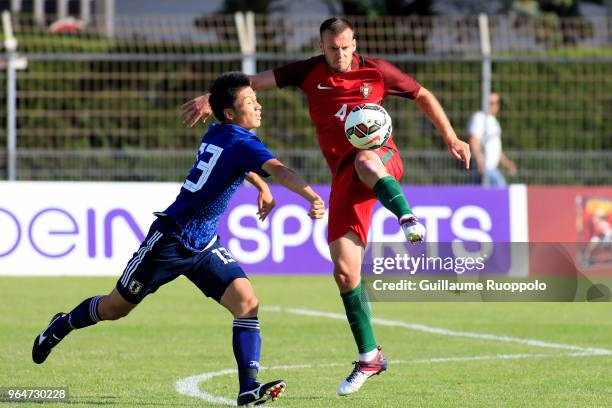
(183, 239)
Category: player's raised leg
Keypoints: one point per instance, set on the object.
(87, 313)
(371, 169)
(239, 298)
(346, 253)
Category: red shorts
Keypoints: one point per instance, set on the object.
(351, 202)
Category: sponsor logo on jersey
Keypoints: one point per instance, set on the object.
(366, 90)
(319, 86)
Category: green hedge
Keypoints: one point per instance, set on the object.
(134, 106)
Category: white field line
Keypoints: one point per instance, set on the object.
(190, 386)
(443, 332)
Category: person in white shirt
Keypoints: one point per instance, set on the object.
(485, 142)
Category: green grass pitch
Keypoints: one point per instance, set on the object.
(458, 357)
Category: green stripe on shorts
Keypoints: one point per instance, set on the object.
(386, 157)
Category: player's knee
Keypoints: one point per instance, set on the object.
(344, 278)
(343, 282)
(248, 307)
(369, 168)
(364, 165)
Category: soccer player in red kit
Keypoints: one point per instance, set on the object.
(334, 83)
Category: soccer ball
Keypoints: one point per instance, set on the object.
(368, 126)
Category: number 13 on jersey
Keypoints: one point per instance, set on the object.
(205, 166)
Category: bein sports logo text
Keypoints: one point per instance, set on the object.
(87, 233)
(289, 229)
(55, 232)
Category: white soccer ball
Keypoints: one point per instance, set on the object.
(368, 126)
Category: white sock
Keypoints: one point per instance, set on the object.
(369, 355)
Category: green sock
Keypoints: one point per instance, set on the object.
(358, 310)
(391, 196)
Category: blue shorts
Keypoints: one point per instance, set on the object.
(161, 258)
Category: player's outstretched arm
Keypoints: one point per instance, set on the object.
(199, 109)
(195, 110)
(431, 107)
(265, 200)
(263, 80)
(290, 179)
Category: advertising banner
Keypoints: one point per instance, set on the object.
(580, 215)
(75, 228)
(289, 242)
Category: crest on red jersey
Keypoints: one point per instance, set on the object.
(365, 90)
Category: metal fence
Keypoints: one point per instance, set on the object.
(94, 107)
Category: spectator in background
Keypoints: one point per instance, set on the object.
(484, 133)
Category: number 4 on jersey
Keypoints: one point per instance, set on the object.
(341, 114)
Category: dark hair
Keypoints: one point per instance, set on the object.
(336, 25)
(224, 91)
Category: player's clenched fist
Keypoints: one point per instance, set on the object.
(196, 109)
(317, 209)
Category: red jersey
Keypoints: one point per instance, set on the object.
(331, 96)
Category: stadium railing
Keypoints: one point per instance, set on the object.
(91, 106)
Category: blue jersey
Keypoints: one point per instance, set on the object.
(227, 153)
